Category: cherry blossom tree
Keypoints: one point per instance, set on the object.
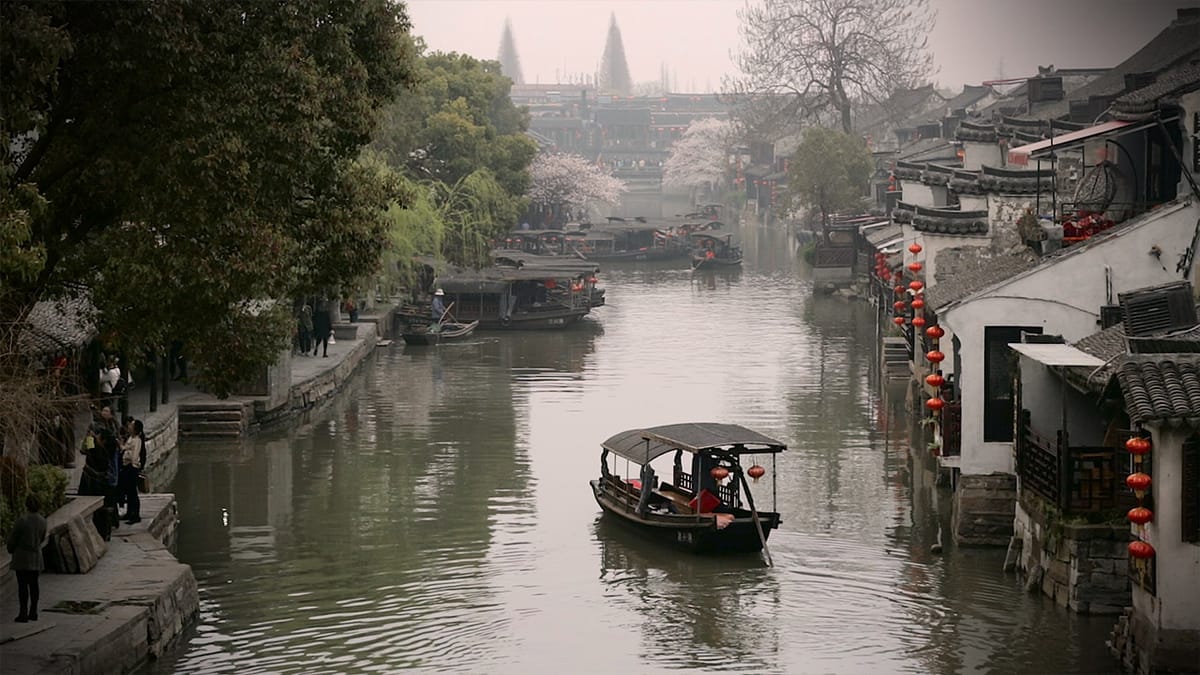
(700, 158)
(562, 182)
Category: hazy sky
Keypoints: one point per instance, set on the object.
(972, 40)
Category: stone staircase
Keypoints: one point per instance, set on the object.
(895, 358)
(215, 419)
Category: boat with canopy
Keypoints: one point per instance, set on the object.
(708, 506)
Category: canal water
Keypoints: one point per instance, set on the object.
(437, 515)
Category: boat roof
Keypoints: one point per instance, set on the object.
(563, 263)
(719, 236)
(644, 444)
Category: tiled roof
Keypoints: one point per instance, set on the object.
(1159, 388)
(936, 174)
(964, 279)
(1105, 345)
(928, 149)
(1174, 45)
(966, 182)
(1174, 83)
(950, 221)
(882, 235)
(1015, 181)
(58, 325)
(1016, 101)
(976, 130)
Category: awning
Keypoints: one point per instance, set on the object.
(643, 445)
(1056, 354)
(1021, 155)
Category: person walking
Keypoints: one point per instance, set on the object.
(323, 327)
(304, 328)
(25, 546)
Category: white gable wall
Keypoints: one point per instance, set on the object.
(976, 154)
(1063, 299)
(916, 193)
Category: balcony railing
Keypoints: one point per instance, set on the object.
(833, 256)
(1080, 479)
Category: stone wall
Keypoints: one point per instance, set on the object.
(162, 437)
(1084, 567)
(983, 509)
(311, 392)
(1142, 648)
(1003, 213)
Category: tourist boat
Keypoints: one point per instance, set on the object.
(631, 240)
(542, 242)
(519, 298)
(433, 334)
(707, 507)
(584, 271)
(714, 249)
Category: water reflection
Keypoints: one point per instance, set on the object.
(437, 515)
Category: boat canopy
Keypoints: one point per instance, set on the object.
(726, 237)
(644, 444)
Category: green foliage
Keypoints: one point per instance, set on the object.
(49, 484)
(14, 483)
(829, 172)
(174, 160)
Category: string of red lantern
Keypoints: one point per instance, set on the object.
(1140, 550)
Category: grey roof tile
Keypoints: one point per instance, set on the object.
(1160, 387)
(54, 325)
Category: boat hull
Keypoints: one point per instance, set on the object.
(425, 337)
(636, 256)
(699, 262)
(535, 320)
(687, 533)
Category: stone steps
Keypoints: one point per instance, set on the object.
(221, 419)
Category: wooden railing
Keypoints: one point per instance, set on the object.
(833, 256)
(1080, 479)
(952, 429)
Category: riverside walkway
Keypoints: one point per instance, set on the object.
(138, 598)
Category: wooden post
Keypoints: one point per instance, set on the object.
(166, 378)
(153, 382)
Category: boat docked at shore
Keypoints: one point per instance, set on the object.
(435, 333)
(708, 506)
(521, 297)
(632, 240)
(714, 249)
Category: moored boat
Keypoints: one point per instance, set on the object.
(708, 506)
(434, 333)
(519, 298)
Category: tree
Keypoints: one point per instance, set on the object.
(184, 164)
(700, 158)
(562, 182)
(828, 55)
(829, 172)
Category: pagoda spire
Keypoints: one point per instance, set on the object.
(614, 69)
(510, 63)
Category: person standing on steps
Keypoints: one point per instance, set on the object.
(25, 545)
(133, 453)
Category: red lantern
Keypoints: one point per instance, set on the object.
(935, 356)
(916, 285)
(899, 290)
(935, 332)
(887, 275)
(1139, 483)
(914, 267)
(899, 321)
(1141, 550)
(1140, 515)
(935, 380)
(935, 404)
(1138, 445)
(914, 248)
(756, 472)
(918, 303)
(918, 321)
(898, 305)
(719, 473)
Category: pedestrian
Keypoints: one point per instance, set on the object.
(98, 449)
(25, 544)
(110, 375)
(133, 454)
(304, 328)
(323, 327)
(178, 361)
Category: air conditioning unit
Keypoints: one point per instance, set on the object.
(1158, 309)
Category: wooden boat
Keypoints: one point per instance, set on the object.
(519, 298)
(707, 507)
(714, 249)
(431, 334)
(632, 240)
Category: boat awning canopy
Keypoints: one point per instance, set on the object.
(644, 444)
(1021, 155)
(1056, 354)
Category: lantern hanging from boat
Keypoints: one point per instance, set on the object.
(935, 356)
(935, 404)
(914, 267)
(719, 473)
(1140, 515)
(899, 290)
(918, 303)
(936, 332)
(899, 321)
(918, 321)
(935, 380)
(1139, 483)
(914, 248)
(756, 472)
(916, 285)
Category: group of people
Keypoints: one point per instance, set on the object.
(314, 325)
(115, 455)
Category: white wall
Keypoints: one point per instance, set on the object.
(916, 193)
(1176, 604)
(976, 154)
(973, 202)
(935, 242)
(1064, 299)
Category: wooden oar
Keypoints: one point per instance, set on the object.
(754, 514)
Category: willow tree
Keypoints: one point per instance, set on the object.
(820, 58)
(179, 162)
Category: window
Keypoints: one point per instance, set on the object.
(1190, 492)
(999, 363)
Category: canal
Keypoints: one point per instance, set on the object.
(437, 515)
